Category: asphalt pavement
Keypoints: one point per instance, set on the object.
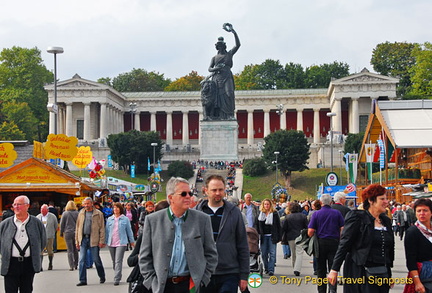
(61, 280)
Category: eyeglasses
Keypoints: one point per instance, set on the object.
(184, 193)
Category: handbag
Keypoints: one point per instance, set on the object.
(377, 272)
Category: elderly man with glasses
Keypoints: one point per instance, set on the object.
(177, 250)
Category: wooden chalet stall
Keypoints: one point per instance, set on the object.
(405, 128)
(42, 182)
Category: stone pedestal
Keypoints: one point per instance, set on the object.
(219, 140)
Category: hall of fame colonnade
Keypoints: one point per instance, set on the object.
(91, 111)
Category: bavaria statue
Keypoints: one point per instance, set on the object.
(217, 89)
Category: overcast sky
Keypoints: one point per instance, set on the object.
(103, 38)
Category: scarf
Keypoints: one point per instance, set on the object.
(425, 231)
(268, 219)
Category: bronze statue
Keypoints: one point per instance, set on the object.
(217, 89)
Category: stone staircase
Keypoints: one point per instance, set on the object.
(199, 185)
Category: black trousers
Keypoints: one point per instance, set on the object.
(20, 276)
(182, 287)
(327, 252)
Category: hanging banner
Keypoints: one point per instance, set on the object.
(60, 146)
(369, 150)
(353, 164)
(83, 157)
(381, 153)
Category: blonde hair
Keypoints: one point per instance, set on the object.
(271, 210)
(71, 206)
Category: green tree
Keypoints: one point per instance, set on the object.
(140, 80)
(395, 60)
(20, 115)
(105, 80)
(353, 143)
(320, 76)
(254, 167)
(293, 151)
(9, 131)
(421, 72)
(294, 76)
(134, 147)
(22, 80)
(190, 82)
(182, 169)
(248, 79)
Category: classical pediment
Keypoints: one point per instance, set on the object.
(76, 82)
(365, 77)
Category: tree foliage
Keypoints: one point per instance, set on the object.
(272, 75)
(353, 143)
(395, 60)
(190, 82)
(293, 151)
(138, 80)
(421, 72)
(22, 93)
(182, 169)
(254, 167)
(134, 147)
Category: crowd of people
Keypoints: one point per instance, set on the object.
(182, 243)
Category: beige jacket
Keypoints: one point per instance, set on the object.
(97, 235)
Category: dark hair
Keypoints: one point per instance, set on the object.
(214, 177)
(120, 206)
(371, 193)
(423, 202)
(295, 208)
(317, 204)
(162, 204)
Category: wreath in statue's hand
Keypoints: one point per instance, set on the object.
(228, 27)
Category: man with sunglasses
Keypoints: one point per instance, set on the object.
(231, 240)
(177, 250)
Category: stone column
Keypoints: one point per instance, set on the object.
(137, 121)
(69, 121)
(337, 120)
(52, 118)
(169, 132)
(250, 129)
(355, 116)
(87, 117)
(266, 123)
(185, 128)
(282, 120)
(200, 118)
(317, 127)
(300, 119)
(103, 120)
(153, 121)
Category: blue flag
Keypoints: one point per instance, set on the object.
(148, 163)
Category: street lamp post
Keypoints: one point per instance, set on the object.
(341, 161)
(154, 145)
(331, 115)
(55, 51)
(276, 154)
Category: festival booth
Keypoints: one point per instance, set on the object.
(398, 137)
(42, 182)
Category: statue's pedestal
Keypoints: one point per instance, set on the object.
(219, 140)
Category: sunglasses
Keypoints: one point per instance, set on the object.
(184, 193)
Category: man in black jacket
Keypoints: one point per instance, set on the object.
(231, 240)
(340, 198)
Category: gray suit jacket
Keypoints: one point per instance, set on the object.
(157, 243)
(51, 225)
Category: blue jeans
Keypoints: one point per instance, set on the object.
(89, 259)
(268, 249)
(286, 250)
(85, 245)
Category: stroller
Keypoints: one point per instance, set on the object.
(255, 261)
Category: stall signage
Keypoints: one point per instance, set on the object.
(7, 155)
(61, 146)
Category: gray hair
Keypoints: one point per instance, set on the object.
(326, 199)
(172, 183)
(26, 199)
(338, 196)
(88, 198)
(44, 206)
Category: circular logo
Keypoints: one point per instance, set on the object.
(154, 187)
(254, 280)
(332, 179)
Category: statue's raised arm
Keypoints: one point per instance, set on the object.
(217, 92)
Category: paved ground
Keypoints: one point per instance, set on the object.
(61, 280)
